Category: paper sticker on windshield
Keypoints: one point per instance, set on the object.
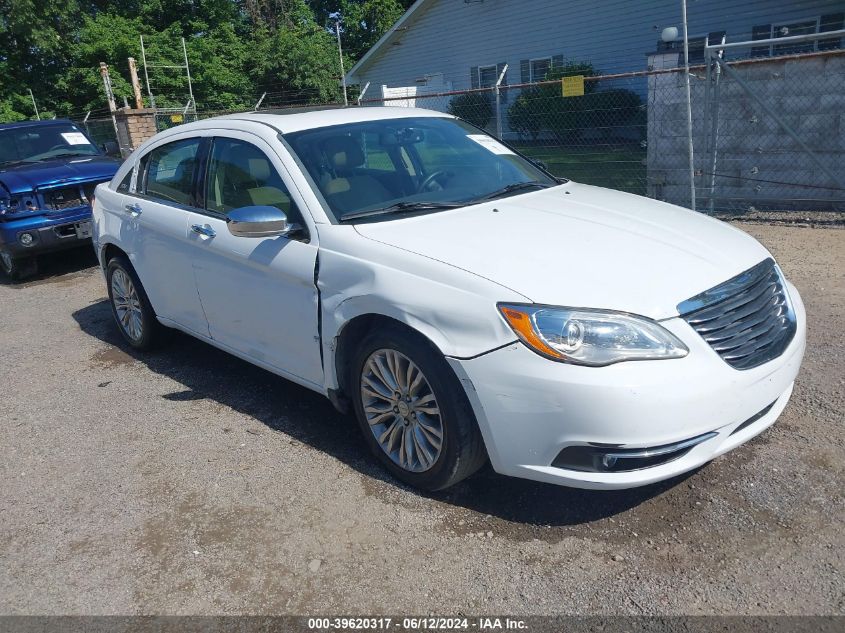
(489, 143)
(74, 138)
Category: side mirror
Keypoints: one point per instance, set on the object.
(111, 148)
(541, 164)
(259, 221)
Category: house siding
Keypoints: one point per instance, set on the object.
(453, 36)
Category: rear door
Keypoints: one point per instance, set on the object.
(258, 294)
(156, 225)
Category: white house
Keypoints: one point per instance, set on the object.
(461, 44)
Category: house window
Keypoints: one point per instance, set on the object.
(487, 76)
(539, 68)
(830, 22)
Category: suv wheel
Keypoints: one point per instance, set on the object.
(130, 306)
(413, 412)
(17, 268)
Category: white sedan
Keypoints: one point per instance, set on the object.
(464, 303)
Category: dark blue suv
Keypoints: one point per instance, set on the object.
(48, 172)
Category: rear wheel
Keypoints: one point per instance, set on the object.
(413, 412)
(17, 268)
(131, 308)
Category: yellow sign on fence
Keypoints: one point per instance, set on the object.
(572, 86)
(176, 118)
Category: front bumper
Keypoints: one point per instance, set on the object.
(529, 408)
(53, 232)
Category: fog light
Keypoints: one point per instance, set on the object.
(26, 239)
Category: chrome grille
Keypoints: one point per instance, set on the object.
(748, 320)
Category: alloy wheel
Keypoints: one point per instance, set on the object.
(127, 305)
(401, 410)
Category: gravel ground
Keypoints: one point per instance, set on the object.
(189, 482)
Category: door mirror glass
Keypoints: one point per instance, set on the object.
(258, 221)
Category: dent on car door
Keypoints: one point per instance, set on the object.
(258, 293)
(159, 214)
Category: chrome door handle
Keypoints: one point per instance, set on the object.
(203, 229)
(134, 209)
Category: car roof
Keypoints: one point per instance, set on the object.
(297, 119)
(20, 124)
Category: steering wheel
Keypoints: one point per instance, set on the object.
(432, 177)
(55, 147)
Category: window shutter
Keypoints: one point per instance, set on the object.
(761, 32)
(557, 61)
(504, 85)
(473, 77)
(524, 71)
(831, 22)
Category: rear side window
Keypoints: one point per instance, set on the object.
(241, 175)
(170, 171)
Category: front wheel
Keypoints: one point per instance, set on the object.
(130, 306)
(17, 268)
(413, 412)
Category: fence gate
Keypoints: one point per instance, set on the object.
(773, 132)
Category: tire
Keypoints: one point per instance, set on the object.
(130, 306)
(17, 268)
(387, 421)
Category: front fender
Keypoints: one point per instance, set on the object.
(452, 308)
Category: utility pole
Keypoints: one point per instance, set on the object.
(340, 54)
(31, 96)
(136, 85)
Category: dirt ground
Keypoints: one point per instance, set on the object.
(188, 482)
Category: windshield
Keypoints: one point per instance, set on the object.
(32, 144)
(410, 165)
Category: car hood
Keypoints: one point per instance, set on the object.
(27, 177)
(582, 246)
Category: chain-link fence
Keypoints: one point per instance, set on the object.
(596, 136)
(101, 130)
(768, 134)
(768, 126)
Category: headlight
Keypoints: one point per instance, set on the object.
(590, 337)
(10, 206)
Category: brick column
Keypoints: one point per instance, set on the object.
(135, 125)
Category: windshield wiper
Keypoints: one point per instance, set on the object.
(515, 186)
(401, 207)
(64, 155)
(19, 161)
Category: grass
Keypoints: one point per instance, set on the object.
(617, 166)
(614, 166)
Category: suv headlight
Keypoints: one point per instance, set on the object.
(10, 206)
(590, 337)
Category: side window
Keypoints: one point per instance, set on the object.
(170, 171)
(241, 175)
(123, 187)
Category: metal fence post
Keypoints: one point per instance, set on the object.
(713, 143)
(689, 106)
(498, 102)
(363, 92)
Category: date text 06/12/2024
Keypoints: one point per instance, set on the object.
(417, 624)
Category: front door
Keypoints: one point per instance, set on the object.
(258, 294)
